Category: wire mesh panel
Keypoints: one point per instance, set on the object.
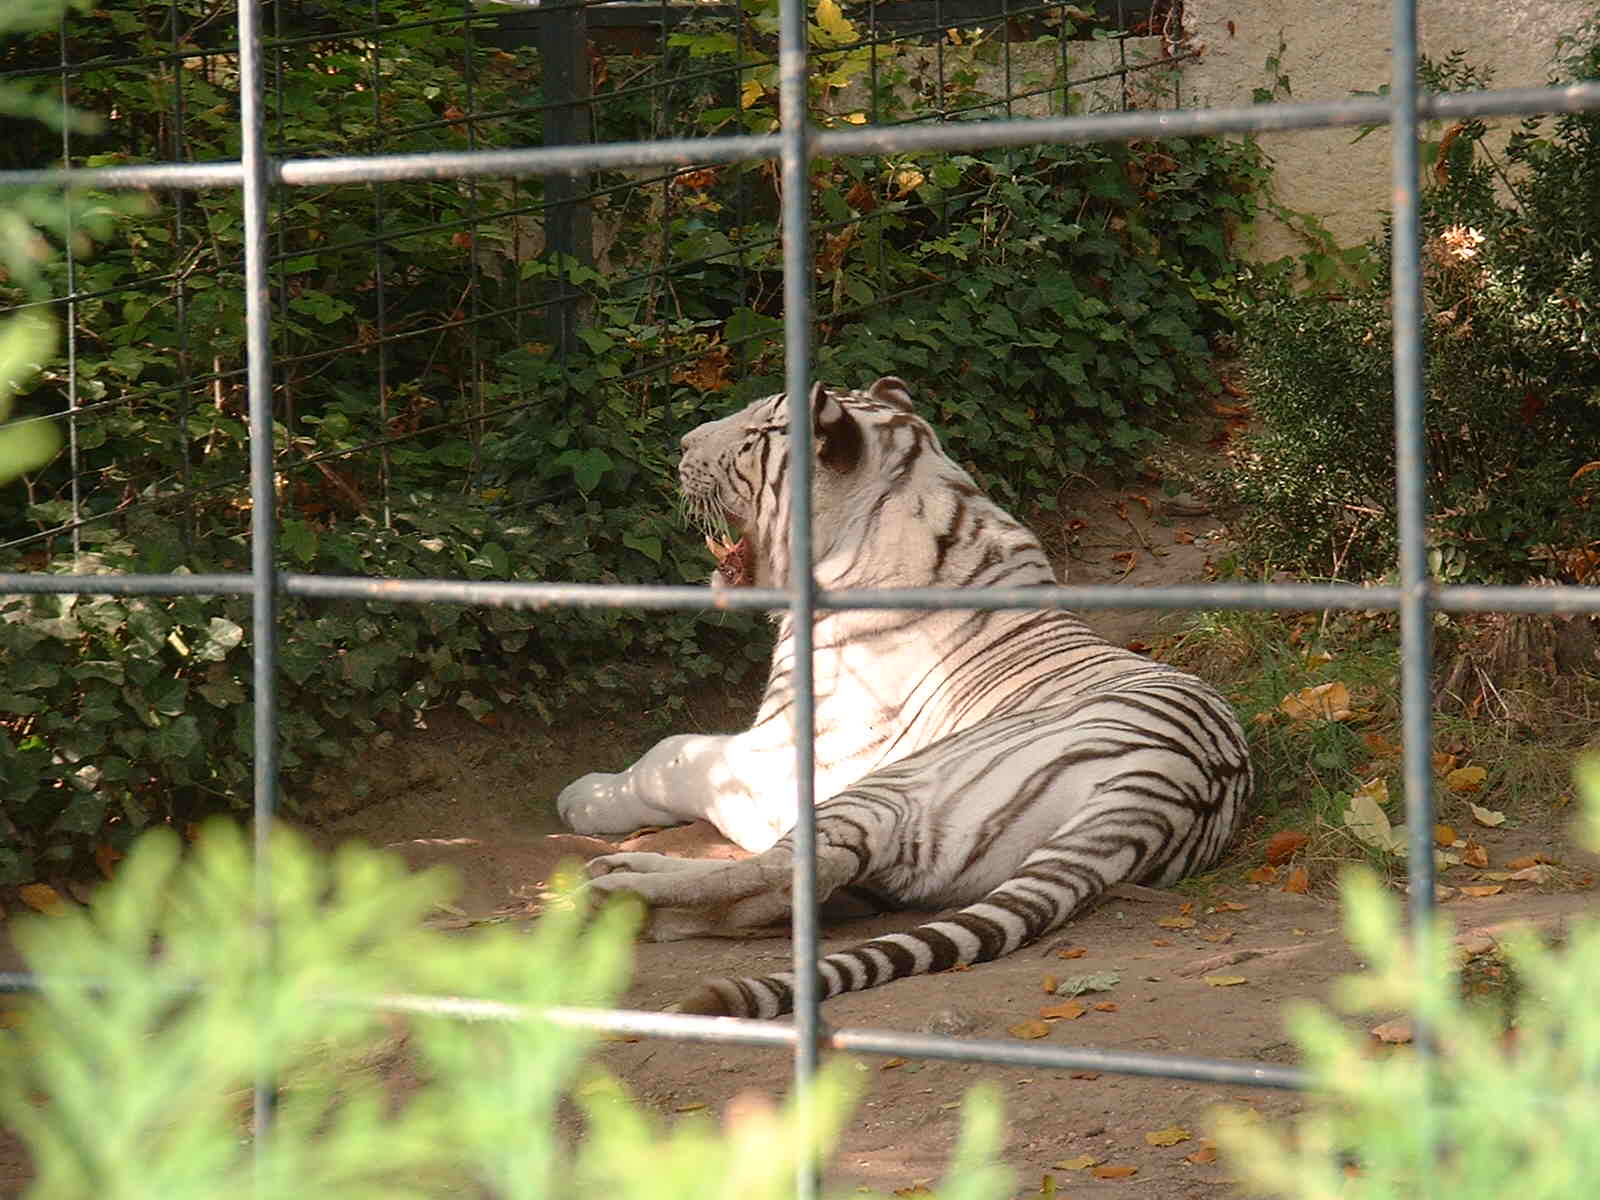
(274, 323)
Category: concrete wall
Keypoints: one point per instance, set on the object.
(1336, 47)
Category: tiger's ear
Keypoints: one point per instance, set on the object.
(891, 390)
(837, 435)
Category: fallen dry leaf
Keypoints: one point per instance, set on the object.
(1443, 763)
(1084, 1075)
(890, 1064)
(1176, 922)
(1394, 1033)
(1263, 875)
(1204, 1156)
(41, 897)
(1029, 1030)
(1284, 845)
(1082, 1162)
(1170, 1136)
(1068, 1011)
(1299, 882)
(1224, 980)
(1320, 702)
(1475, 855)
(1229, 906)
(106, 858)
(1464, 780)
(1479, 891)
(1523, 860)
(1366, 819)
(1050, 985)
(1444, 836)
(695, 1106)
(1118, 1172)
(1072, 952)
(1106, 1006)
(1379, 745)
(1487, 816)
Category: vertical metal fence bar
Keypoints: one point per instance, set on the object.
(380, 296)
(264, 595)
(1411, 502)
(1416, 698)
(72, 305)
(796, 211)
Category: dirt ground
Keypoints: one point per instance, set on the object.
(482, 800)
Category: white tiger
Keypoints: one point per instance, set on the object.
(1009, 761)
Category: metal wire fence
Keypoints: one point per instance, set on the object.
(271, 163)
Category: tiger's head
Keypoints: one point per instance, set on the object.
(876, 461)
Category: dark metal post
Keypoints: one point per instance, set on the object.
(568, 230)
(264, 593)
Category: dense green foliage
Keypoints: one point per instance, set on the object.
(186, 984)
(1050, 306)
(1511, 276)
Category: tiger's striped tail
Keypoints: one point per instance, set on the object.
(1006, 919)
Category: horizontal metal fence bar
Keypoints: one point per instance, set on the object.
(1285, 597)
(960, 135)
(743, 1032)
(739, 1031)
(14, 583)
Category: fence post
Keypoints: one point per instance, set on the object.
(563, 33)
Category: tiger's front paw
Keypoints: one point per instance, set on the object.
(591, 805)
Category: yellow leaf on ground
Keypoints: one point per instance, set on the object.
(1479, 891)
(1029, 1030)
(1445, 835)
(1067, 1011)
(1176, 922)
(1464, 780)
(41, 897)
(1170, 1136)
(891, 1063)
(750, 93)
(1321, 702)
(1224, 980)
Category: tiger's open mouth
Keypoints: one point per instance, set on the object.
(735, 560)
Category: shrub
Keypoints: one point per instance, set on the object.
(1511, 275)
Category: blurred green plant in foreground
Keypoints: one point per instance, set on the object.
(160, 1006)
